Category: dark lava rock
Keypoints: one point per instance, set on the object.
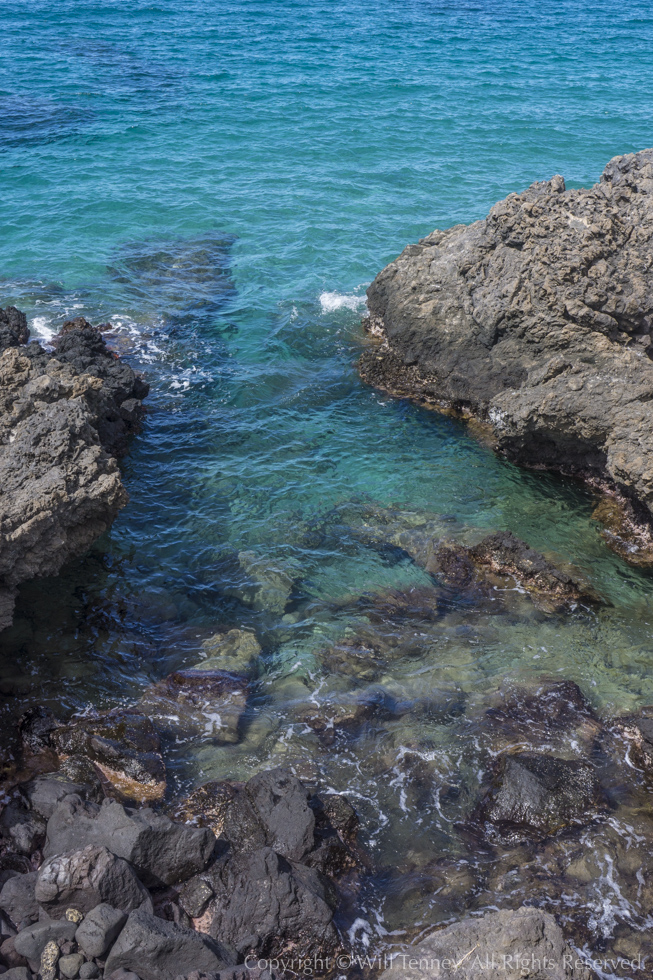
(99, 930)
(18, 900)
(498, 946)
(31, 942)
(538, 795)
(18, 973)
(162, 852)
(44, 792)
(505, 555)
(161, 950)
(61, 424)
(25, 830)
(553, 713)
(13, 328)
(195, 896)
(123, 747)
(83, 879)
(537, 320)
(264, 902)
(272, 811)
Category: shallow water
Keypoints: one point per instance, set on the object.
(221, 183)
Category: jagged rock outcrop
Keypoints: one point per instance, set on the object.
(538, 320)
(64, 416)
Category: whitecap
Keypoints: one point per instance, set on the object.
(341, 301)
(41, 328)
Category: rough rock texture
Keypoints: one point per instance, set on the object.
(264, 902)
(522, 944)
(64, 415)
(538, 320)
(99, 929)
(120, 746)
(161, 950)
(84, 879)
(161, 851)
(537, 795)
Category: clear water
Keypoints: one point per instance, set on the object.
(222, 181)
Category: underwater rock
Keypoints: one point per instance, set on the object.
(273, 584)
(524, 943)
(63, 418)
(198, 701)
(237, 651)
(554, 715)
(538, 795)
(536, 320)
(637, 732)
(121, 746)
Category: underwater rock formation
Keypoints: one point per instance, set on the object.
(523, 943)
(538, 321)
(64, 417)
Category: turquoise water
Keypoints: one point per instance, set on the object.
(222, 181)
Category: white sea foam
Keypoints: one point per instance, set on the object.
(341, 301)
(41, 328)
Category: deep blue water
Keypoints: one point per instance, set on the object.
(223, 180)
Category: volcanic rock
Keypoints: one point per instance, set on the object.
(99, 929)
(537, 795)
(61, 424)
(264, 902)
(85, 878)
(161, 950)
(160, 851)
(538, 321)
(198, 701)
(123, 748)
(18, 900)
(499, 946)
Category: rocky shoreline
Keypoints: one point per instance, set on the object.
(65, 415)
(267, 879)
(537, 321)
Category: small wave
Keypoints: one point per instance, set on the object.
(341, 301)
(42, 328)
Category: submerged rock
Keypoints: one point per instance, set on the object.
(201, 700)
(237, 651)
(63, 418)
(121, 746)
(537, 795)
(537, 320)
(525, 943)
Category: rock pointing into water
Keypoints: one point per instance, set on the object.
(538, 320)
(525, 943)
(64, 416)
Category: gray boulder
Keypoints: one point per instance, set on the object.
(161, 852)
(99, 930)
(264, 902)
(85, 878)
(31, 942)
(499, 946)
(18, 900)
(538, 320)
(17, 973)
(161, 950)
(44, 792)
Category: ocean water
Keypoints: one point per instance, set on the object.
(221, 182)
